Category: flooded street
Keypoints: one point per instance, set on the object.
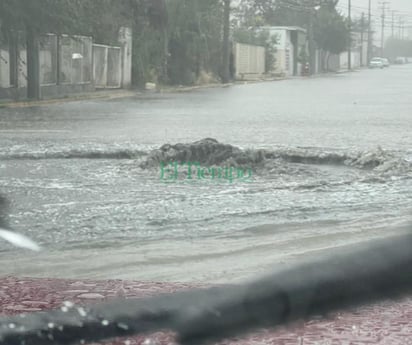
(337, 170)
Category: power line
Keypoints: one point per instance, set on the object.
(383, 7)
(369, 53)
(393, 23)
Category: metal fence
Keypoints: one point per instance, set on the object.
(76, 60)
(63, 60)
(249, 60)
(48, 54)
(107, 69)
(13, 62)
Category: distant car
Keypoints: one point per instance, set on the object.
(399, 61)
(376, 63)
(385, 62)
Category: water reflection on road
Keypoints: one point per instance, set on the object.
(72, 172)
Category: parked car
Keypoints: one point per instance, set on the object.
(399, 60)
(385, 62)
(376, 63)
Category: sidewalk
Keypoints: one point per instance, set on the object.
(117, 94)
(103, 94)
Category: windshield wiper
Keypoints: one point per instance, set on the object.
(17, 240)
(369, 272)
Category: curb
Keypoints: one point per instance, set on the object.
(82, 97)
(107, 95)
(104, 95)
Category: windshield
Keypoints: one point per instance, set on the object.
(157, 146)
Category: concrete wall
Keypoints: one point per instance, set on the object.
(355, 60)
(364, 49)
(59, 91)
(249, 61)
(340, 61)
(287, 51)
(281, 66)
(280, 61)
(126, 45)
(290, 51)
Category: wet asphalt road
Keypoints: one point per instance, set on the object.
(107, 218)
(361, 109)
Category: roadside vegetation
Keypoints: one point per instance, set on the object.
(180, 42)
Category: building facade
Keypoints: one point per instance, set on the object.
(291, 48)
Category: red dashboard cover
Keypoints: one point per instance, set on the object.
(386, 323)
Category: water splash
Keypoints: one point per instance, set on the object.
(19, 240)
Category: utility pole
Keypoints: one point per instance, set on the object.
(311, 46)
(402, 29)
(33, 64)
(361, 38)
(226, 43)
(393, 24)
(310, 9)
(350, 35)
(383, 8)
(369, 53)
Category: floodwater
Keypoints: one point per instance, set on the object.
(341, 174)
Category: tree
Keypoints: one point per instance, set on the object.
(258, 12)
(226, 43)
(195, 39)
(331, 32)
(36, 17)
(174, 41)
(32, 17)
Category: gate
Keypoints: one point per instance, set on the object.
(107, 67)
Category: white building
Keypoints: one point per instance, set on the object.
(291, 41)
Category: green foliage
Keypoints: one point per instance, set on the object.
(35, 15)
(331, 31)
(303, 56)
(65, 16)
(174, 41)
(359, 25)
(251, 13)
(195, 41)
(148, 40)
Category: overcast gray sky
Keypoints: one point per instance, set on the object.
(402, 11)
(401, 7)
